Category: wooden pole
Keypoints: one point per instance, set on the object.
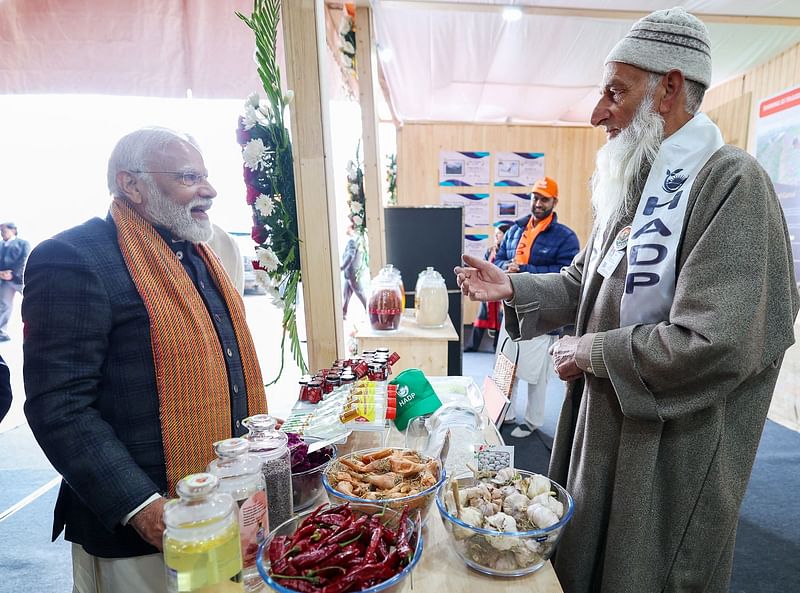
(304, 45)
(366, 64)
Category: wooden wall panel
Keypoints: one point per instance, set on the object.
(569, 159)
(733, 119)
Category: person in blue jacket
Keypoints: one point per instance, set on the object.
(537, 244)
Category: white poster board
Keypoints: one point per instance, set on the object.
(518, 169)
(476, 207)
(778, 151)
(463, 169)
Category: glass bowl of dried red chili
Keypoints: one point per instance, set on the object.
(393, 477)
(342, 549)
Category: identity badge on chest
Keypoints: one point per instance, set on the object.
(615, 253)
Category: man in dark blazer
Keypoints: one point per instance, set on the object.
(13, 255)
(95, 393)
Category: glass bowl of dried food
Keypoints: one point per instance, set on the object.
(506, 523)
(307, 470)
(393, 477)
(358, 547)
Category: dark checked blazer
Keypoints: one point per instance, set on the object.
(90, 384)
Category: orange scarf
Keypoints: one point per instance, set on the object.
(191, 376)
(532, 230)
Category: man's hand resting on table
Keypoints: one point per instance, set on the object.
(481, 280)
(149, 523)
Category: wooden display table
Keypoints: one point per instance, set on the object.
(418, 347)
(441, 570)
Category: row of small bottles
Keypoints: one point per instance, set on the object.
(388, 299)
(214, 527)
(375, 365)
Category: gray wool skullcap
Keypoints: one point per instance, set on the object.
(665, 40)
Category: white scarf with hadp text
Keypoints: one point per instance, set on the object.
(651, 242)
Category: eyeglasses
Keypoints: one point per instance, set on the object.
(187, 178)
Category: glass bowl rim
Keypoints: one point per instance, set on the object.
(531, 533)
(384, 501)
(393, 580)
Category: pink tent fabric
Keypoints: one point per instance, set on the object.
(127, 47)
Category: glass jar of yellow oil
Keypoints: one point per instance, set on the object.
(202, 551)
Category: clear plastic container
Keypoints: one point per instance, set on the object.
(430, 299)
(202, 551)
(240, 475)
(466, 427)
(271, 447)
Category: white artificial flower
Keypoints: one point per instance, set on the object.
(348, 48)
(353, 187)
(263, 279)
(252, 101)
(256, 156)
(351, 168)
(265, 205)
(357, 220)
(250, 118)
(288, 97)
(267, 259)
(355, 207)
(276, 297)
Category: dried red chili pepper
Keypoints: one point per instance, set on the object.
(314, 556)
(356, 528)
(383, 549)
(374, 540)
(357, 577)
(402, 547)
(345, 557)
(302, 585)
(277, 547)
(333, 519)
(302, 533)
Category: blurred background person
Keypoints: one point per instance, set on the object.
(536, 244)
(13, 255)
(489, 314)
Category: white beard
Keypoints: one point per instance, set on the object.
(620, 163)
(162, 211)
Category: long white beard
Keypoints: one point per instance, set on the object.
(162, 211)
(620, 163)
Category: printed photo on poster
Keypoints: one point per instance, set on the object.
(518, 169)
(510, 206)
(463, 169)
(778, 151)
(507, 169)
(476, 207)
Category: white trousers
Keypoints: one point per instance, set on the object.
(535, 373)
(140, 574)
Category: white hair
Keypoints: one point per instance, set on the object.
(622, 160)
(137, 151)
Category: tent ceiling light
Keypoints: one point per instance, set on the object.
(512, 13)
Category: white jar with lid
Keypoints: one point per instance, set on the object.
(430, 299)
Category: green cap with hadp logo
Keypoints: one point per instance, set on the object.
(415, 397)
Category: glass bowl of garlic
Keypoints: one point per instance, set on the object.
(505, 523)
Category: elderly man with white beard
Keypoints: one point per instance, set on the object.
(683, 303)
(137, 359)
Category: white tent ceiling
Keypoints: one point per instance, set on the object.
(460, 60)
